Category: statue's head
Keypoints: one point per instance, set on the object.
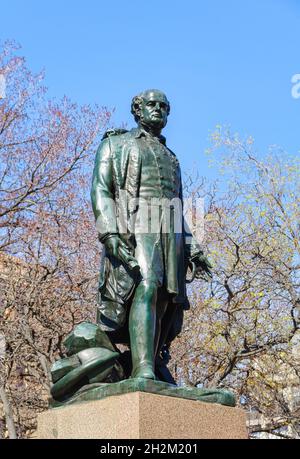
(151, 108)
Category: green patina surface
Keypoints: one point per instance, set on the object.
(100, 391)
(142, 285)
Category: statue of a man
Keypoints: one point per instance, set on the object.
(143, 272)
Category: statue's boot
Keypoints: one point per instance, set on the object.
(142, 330)
(161, 308)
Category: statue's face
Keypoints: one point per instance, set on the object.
(154, 110)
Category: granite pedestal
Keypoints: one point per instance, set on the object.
(142, 415)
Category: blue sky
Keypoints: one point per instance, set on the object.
(219, 62)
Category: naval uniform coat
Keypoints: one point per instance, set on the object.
(117, 170)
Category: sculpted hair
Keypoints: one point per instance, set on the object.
(136, 105)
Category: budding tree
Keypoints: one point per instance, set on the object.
(243, 328)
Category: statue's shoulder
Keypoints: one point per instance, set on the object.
(114, 132)
(117, 138)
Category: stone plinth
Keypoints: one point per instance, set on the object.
(143, 415)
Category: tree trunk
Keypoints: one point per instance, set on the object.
(8, 414)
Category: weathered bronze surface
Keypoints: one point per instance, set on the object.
(142, 285)
(91, 358)
(99, 391)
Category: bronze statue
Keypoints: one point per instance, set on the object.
(140, 164)
(137, 201)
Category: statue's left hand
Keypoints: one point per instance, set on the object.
(201, 267)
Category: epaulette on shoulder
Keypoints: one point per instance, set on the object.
(113, 132)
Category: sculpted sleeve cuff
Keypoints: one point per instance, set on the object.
(191, 247)
(103, 238)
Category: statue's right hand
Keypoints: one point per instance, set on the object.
(116, 247)
(112, 245)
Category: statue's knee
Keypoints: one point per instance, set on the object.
(149, 288)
